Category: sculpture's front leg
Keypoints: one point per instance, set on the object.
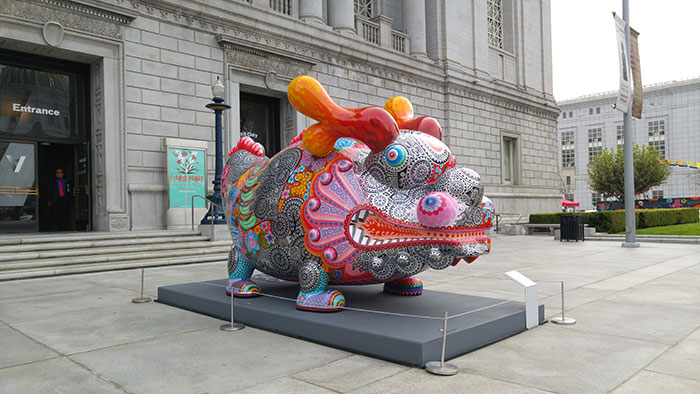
(239, 273)
(313, 295)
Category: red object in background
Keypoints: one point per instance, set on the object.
(567, 203)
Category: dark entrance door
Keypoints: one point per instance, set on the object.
(72, 159)
(44, 122)
(260, 120)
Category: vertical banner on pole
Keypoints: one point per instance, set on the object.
(623, 95)
(638, 93)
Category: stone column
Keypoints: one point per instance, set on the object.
(414, 22)
(311, 11)
(341, 15)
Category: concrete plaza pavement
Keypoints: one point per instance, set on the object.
(638, 331)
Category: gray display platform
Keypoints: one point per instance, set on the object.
(401, 339)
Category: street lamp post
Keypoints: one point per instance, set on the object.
(218, 106)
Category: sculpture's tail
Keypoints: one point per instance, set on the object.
(247, 143)
(242, 157)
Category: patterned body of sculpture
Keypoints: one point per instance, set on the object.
(366, 195)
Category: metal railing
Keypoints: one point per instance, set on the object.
(398, 41)
(211, 217)
(499, 217)
(18, 191)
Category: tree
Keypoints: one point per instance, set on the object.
(606, 173)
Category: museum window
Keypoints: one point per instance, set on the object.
(569, 196)
(597, 110)
(563, 114)
(590, 111)
(620, 131)
(571, 114)
(364, 8)
(595, 199)
(510, 160)
(657, 194)
(495, 23)
(568, 154)
(595, 143)
(657, 136)
(568, 179)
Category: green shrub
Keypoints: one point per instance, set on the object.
(552, 218)
(614, 221)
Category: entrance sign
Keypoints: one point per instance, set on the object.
(623, 95)
(186, 177)
(38, 104)
(637, 96)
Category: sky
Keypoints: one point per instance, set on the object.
(584, 51)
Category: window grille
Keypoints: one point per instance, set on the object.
(657, 194)
(595, 143)
(657, 136)
(364, 8)
(620, 129)
(508, 160)
(568, 153)
(595, 199)
(495, 23)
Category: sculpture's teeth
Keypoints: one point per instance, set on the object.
(357, 235)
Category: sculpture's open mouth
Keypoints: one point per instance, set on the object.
(369, 228)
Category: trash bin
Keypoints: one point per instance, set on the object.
(571, 227)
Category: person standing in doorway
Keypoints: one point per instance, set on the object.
(59, 201)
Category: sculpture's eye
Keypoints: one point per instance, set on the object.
(395, 156)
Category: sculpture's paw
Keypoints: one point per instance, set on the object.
(406, 287)
(241, 288)
(324, 301)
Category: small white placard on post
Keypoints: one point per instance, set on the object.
(532, 313)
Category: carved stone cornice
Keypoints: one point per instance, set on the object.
(498, 99)
(70, 14)
(255, 63)
(94, 9)
(266, 47)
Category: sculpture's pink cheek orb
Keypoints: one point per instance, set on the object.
(437, 210)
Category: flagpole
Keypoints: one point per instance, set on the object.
(630, 225)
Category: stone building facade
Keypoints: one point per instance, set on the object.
(481, 67)
(670, 122)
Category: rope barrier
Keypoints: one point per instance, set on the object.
(514, 299)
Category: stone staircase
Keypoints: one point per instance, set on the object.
(39, 255)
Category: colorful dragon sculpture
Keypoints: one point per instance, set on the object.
(367, 195)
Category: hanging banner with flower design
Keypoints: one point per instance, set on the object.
(186, 177)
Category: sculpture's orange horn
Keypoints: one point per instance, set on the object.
(372, 125)
(401, 109)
